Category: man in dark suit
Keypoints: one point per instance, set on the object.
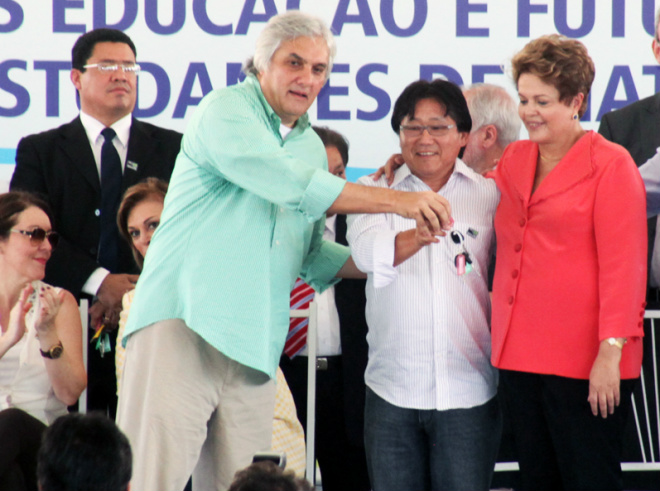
(65, 165)
(635, 127)
(342, 360)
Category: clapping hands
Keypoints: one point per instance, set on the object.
(49, 304)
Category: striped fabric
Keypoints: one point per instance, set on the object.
(429, 333)
(296, 340)
(288, 433)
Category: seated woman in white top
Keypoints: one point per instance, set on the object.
(41, 363)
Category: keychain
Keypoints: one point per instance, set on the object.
(462, 260)
(102, 339)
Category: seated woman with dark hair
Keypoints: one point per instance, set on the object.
(41, 365)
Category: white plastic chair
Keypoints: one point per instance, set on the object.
(84, 320)
(311, 312)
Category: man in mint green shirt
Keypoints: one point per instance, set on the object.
(244, 216)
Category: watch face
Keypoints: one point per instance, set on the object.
(56, 352)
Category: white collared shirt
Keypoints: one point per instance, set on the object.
(429, 327)
(93, 128)
(328, 337)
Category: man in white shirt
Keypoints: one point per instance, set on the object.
(342, 358)
(432, 420)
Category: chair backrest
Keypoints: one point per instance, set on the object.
(310, 467)
(84, 320)
(646, 402)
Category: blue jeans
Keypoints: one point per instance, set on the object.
(418, 450)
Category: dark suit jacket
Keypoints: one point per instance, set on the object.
(351, 301)
(635, 127)
(59, 165)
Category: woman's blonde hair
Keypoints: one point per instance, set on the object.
(148, 189)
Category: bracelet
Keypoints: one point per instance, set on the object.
(616, 342)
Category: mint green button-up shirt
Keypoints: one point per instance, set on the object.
(243, 217)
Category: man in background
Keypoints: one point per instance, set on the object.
(82, 169)
(341, 358)
(495, 124)
(635, 127)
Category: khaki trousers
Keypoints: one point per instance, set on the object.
(188, 409)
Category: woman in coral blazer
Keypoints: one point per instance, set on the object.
(568, 296)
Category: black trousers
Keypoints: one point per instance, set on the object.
(343, 465)
(20, 438)
(560, 444)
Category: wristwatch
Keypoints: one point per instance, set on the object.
(616, 342)
(54, 353)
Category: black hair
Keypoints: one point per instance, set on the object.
(14, 203)
(84, 47)
(266, 476)
(331, 138)
(446, 93)
(81, 452)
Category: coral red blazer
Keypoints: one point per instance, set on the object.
(571, 259)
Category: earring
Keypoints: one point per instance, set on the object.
(575, 116)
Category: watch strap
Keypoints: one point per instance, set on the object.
(54, 352)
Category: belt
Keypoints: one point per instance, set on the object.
(322, 362)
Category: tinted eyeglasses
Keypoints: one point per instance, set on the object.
(415, 130)
(38, 235)
(111, 67)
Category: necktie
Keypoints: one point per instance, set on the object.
(110, 195)
(296, 340)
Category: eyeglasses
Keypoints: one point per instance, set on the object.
(434, 130)
(108, 67)
(38, 235)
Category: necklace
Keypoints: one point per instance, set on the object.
(578, 135)
(545, 159)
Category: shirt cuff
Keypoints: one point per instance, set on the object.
(384, 271)
(322, 191)
(94, 281)
(322, 273)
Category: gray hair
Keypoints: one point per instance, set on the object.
(491, 104)
(657, 23)
(284, 27)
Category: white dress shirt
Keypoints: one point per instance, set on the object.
(93, 129)
(327, 318)
(429, 327)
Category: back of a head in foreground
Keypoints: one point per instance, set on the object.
(266, 476)
(84, 453)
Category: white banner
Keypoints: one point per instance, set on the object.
(189, 47)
